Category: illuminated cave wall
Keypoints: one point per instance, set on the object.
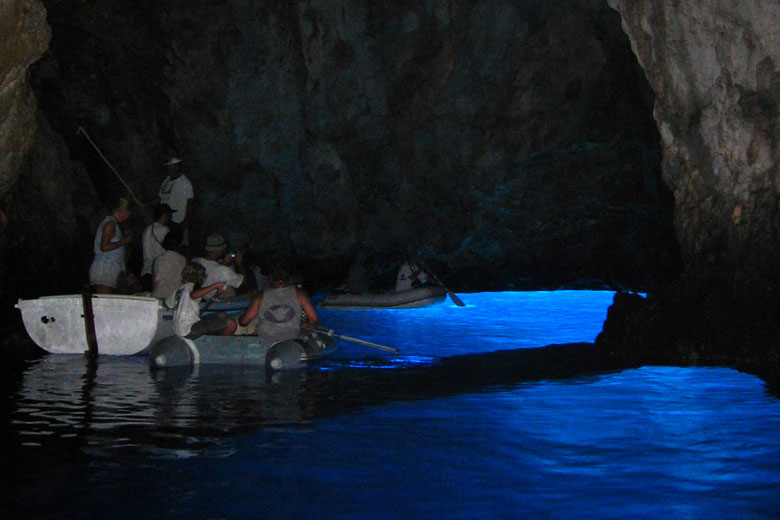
(715, 67)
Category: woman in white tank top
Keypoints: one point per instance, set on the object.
(109, 249)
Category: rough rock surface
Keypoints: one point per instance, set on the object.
(510, 141)
(24, 36)
(715, 69)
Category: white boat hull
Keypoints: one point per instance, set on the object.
(124, 325)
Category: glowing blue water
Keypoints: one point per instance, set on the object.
(488, 322)
(398, 440)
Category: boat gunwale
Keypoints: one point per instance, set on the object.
(431, 294)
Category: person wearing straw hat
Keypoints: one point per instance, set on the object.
(219, 264)
(177, 192)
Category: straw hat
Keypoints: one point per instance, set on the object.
(215, 243)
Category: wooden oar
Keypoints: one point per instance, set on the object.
(454, 296)
(356, 340)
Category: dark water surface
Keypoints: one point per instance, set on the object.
(462, 423)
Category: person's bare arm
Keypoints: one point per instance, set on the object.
(311, 315)
(153, 202)
(249, 314)
(203, 291)
(106, 244)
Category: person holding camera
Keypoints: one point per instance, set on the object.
(220, 264)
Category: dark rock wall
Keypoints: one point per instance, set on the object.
(510, 141)
(24, 36)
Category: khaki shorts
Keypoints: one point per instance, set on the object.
(210, 324)
(249, 330)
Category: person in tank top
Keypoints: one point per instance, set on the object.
(109, 248)
(278, 309)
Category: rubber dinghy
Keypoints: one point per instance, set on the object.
(124, 325)
(175, 351)
(411, 299)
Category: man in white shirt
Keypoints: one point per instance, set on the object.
(152, 242)
(217, 263)
(176, 191)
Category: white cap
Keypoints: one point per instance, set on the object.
(172, 161)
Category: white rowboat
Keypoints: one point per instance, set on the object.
(124, 325)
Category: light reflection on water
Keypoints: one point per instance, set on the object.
(489, 321)
(369, 434)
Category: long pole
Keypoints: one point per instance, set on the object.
(81, 130)
(356, 340)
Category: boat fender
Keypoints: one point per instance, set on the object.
(284, 355)
(173, 351)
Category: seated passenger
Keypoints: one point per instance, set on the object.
(218, 265)
(167, 268)
(187, 322)
(411, 274)
(278, 309)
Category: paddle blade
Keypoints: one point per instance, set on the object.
(457, 300)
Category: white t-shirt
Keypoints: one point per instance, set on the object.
(176, 193)
(404, 282)
(167, 273)
(187, 311)
(216, 272)
(152, 244)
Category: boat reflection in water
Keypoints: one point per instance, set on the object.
(113, 403)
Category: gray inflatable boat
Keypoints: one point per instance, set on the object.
(175, 351)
